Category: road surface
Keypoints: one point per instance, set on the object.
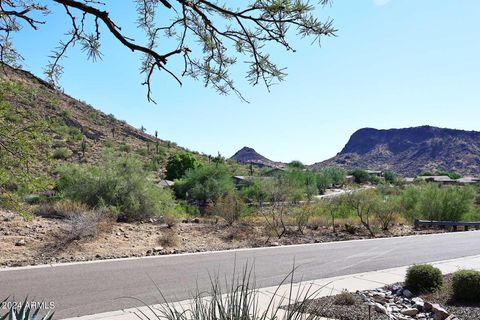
(89, 288)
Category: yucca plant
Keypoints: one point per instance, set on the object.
(24, 312)
(238, 300)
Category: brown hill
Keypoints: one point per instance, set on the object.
(248, 155)
(410, 151)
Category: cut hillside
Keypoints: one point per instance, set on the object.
(73, 130)
(410, 151)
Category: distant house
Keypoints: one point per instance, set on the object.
(273, 172)
(350, 179)
(446, 180)
(241, 181)
(165, 183)
(468, 181)
(377, 173)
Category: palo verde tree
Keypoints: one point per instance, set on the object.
(207, 36)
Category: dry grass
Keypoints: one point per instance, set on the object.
(168, 238)
(64, 209)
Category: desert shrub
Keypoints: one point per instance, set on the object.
(125, 148)
(87, 224)
(230, 207)
(466, 286)
(62, 153)
(205, 183)
(364, 203)
(75, 134)
(361, 176)
(345, 298)
(168, 238)
(423, 278)
(386, 212)
(390, 177)
(119, 183)
(179, 164)
(142, 152)
(62, 209)
(66, 113)
(295, 164)
(437, 203)
(373, 179)
(301, 216)
(255, 192)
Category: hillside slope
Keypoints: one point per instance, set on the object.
(75, 131)
(410, 151)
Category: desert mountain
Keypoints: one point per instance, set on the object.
(410, 151)
(249, 155)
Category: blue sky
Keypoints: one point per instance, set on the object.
(397, 63)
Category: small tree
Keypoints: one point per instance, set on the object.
(364, 203)
(361, 176)
(229, 207)
(205, 184)
(179, 164)
(390, 177)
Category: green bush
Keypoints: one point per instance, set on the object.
(179, 164)
(118, 183)
(62, 153)
(466, 286)
(361, 176)
(432, 202)
(206, 183)
(423, 278)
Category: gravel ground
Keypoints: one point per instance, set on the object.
(462, 311)
(326, 306)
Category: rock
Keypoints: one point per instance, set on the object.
(439, 313)
(126, 236)
(118, 234)
(21, 243)
(411, 312)
(380, 309)
(427, 306)
(407, 293)
(274, 244)
(451, 317)
(184, 220)
(196, 220)
(419, 303)
(158, 249)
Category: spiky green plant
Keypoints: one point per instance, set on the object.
(237, 300)
(24, 312)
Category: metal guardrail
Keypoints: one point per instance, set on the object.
(445, 224)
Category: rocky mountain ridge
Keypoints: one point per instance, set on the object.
(410, 151)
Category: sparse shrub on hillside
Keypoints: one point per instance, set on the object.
(119, 183)
(62, 153)
(466, 286)
(423, 278)
(66, 113)
(125, 148)
(142, 152)
(179, 164)
(23, 145)
(74, 134)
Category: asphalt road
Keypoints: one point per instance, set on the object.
(89, 288)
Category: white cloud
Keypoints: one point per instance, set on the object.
(381, 2)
